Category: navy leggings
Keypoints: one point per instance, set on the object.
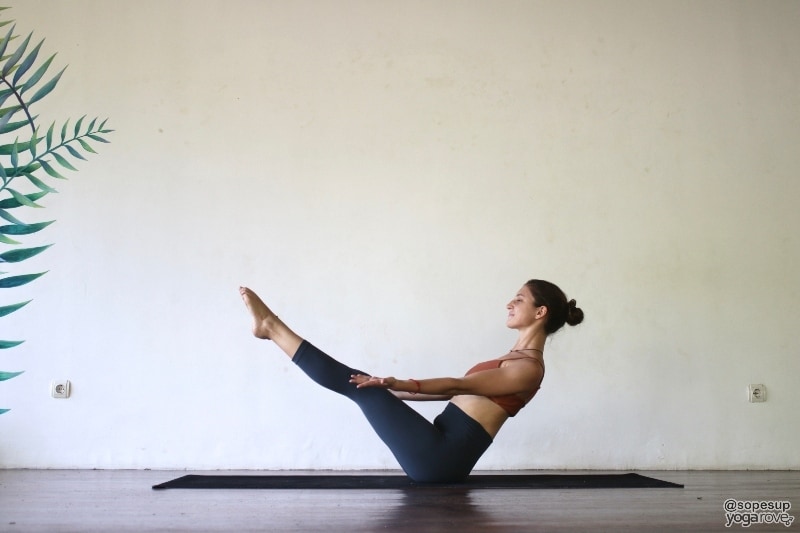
(443, 451)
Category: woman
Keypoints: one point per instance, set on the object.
(479, 403)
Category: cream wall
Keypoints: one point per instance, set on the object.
(387, 174)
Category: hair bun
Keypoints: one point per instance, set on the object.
(574, 313)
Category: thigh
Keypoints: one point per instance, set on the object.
(410, 436)
(446, 450)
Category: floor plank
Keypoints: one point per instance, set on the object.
(114, 500)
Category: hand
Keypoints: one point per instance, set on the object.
(362, 381)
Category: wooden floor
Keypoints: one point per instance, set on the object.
(122, 500)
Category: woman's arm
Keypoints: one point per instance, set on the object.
(515, 378)
(413, 397)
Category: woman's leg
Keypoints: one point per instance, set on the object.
(413, 440)
(427, 452)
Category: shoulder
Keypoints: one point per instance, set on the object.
(527, 365)
(507, 360)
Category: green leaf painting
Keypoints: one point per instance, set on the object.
(31, 157)
(8, 309)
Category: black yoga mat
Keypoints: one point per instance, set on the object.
(477, 481)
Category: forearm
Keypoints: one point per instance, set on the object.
(415, 389)
(439, 388)
(415, 397)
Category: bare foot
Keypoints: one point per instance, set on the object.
(264, 320)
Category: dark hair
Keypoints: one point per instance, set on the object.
(559, 310)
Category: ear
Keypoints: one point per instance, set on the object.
(541, 311)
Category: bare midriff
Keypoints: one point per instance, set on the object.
(483, 410)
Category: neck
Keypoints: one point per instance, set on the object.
(530, 342)
(528, 351)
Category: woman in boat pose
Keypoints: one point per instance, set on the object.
(478, 403)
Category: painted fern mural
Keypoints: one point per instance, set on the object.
(31, 158)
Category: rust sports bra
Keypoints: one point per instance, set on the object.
(511, 403)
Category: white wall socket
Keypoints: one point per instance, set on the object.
(60, 389)
(756, 393)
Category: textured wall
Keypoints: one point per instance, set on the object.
(387, 174)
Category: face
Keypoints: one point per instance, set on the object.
(522, 310)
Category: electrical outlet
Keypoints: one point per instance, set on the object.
(60, 389)
(757, 393)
